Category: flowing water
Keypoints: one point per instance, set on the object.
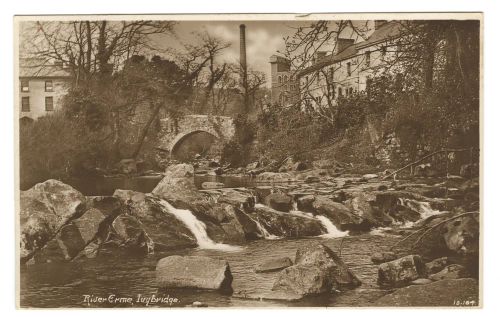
(68, 284)
(197, 227)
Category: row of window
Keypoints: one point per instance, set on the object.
(25, 104)
(284, 79)
(25, 85)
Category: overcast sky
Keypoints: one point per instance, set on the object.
(264, 38)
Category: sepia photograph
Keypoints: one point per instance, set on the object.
(264, 160)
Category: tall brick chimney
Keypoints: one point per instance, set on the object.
(243, 56)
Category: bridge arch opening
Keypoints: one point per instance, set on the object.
(187, 146)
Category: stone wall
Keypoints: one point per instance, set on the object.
(172, 132)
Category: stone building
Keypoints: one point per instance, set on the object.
(351, 66)
(41, 87)
(348, 69)
(284, 84)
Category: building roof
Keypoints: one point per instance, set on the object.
(389, 30)
(35, 67)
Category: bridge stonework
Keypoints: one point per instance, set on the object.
(171, 134)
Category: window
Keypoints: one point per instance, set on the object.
(25, 85)
(25, 104)
(48, 86)
(367, 58)
(349, 69)
(384, 50)
(350, 91)
(340, 91)
(279, 79)
(285, 79)
(49, 103)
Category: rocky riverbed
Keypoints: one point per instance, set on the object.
(343, 237)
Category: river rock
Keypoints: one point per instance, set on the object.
(274, 177)
(401, 272)
(108, 205)
(320, 255)
(341, 216)
(464, 291)
(305, 203)
(159, 224)
(45, 209)
(275, 264)
(302, 280)
(462, 235)
(381, 257)
(132, 234)
(197, 272)
(452, 271)
(436, 265)
(226, 223)
(253, 165)
(367, 177)
(127, 166)
(279, 201)
(244, 201)
(421, 281)
(178, 188)
(285, 224)
(212, 185)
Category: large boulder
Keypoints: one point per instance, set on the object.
(227, 223)
(364, 205)
(452, 271)
(178, 188)
(285, 224)
(80, 237)
(341, 216)
(302, 280)
(161, 226)
(317, 270)
(132, 235)
(462, 235)
(243, 200)
(436, 265)
(279, 201)
(45, 209)
(458, 292)
(274, 264)
(401, 272)
(197, 272)
(324, 257)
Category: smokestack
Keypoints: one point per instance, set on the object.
(243, 56)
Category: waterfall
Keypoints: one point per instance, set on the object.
(331, 229)
(197, 228)
(422, 207)
(263, 231)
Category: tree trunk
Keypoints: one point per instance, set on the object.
(145, 129)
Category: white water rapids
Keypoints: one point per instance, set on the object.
(331, 230)
(197, 228)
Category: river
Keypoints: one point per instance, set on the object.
(66, 284)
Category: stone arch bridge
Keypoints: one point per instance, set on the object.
(172, 133)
